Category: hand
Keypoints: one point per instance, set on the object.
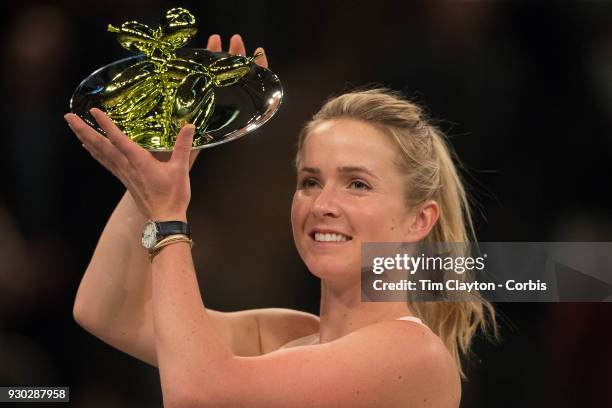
(160, 189)
(165, 156)
(236, 47)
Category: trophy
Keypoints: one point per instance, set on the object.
(150, 96)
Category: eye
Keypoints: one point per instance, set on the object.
(309, 183)
(360, 185)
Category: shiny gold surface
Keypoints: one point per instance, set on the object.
(153, 98)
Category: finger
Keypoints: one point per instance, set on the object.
(182, 147)
(237, 45)
(214, 43)
(130, 149)
(117, 172)
(99, 146)
(262, 60)
(103, 161)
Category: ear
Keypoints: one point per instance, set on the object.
(422, 220)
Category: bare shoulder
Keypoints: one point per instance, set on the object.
(387, 364)
(279, 326)
(423, 364)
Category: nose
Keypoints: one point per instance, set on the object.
(326, 203)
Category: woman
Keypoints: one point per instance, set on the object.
(370, 168)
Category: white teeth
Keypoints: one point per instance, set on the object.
(330, 237)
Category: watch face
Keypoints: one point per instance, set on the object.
(149, 235)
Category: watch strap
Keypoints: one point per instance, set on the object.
(165, 228)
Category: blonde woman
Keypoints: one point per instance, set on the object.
(369, 169)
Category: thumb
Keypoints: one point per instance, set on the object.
(182, 146)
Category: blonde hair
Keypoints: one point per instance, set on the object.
(427, 161)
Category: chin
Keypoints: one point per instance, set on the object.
(332, 269)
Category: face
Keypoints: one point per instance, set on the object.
(348, 191)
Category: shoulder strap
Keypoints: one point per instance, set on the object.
(412, 319)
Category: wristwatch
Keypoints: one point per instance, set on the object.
(154, 232)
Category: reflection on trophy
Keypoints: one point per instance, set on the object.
(152, 95)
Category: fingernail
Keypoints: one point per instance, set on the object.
(67, 118)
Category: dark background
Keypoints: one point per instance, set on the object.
(524, 89)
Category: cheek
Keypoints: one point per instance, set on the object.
(298, 218)
(382, 222)
(397, 225)
(298, 208)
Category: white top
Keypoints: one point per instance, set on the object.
(412, 319)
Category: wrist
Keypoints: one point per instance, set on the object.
(155, 231)
(163, 217)
(169, 241)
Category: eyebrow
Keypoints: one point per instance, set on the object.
(344, 169)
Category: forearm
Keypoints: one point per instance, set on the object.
(117, 282)
(190, 351)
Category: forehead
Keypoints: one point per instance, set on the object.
(348, 142)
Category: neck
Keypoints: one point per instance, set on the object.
(342, 311)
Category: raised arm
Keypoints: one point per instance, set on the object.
(113, 301)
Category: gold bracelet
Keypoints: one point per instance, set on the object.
(172, 239)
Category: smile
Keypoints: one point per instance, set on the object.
(329, 237)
